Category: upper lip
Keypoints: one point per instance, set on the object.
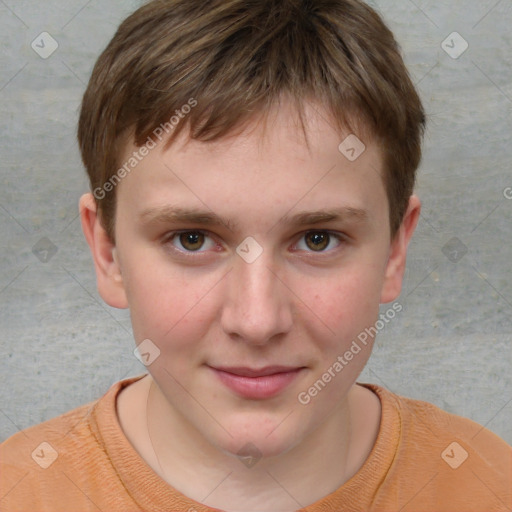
(244, 371)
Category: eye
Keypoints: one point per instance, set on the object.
(190, 241)
(319, 241)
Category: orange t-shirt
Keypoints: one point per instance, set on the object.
(424, 459)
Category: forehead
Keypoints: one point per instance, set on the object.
(274, 162)
(302, 134)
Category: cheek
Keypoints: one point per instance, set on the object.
(167, 305)
(347, 305)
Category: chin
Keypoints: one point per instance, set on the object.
(259, 438)
(250, 451)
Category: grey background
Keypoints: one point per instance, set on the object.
(61, 346)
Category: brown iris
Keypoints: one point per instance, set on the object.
(192, 240)
(317, 241)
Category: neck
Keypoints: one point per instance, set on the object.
(320, 464)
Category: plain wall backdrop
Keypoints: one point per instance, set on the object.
(451, 345)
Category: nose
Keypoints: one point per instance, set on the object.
(258, 306)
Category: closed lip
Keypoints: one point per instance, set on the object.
(243, 371)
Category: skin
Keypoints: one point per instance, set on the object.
(295, 305)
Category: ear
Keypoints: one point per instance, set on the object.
(108, 272)
(395, 267)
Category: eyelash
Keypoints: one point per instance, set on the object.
(340, 237)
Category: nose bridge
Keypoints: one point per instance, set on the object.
(257, 307)
(256, 281)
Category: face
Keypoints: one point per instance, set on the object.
(257, 253)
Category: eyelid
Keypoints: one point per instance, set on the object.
(340, 237)
(170, 236)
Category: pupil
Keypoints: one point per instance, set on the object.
(318, 241)
(191, 241)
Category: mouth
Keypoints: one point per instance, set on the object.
(257, 383)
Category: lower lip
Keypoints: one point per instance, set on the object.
(257, 387)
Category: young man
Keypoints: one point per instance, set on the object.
(252, 167)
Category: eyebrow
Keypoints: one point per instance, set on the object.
(175, 214)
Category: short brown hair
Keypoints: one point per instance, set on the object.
(238, 57)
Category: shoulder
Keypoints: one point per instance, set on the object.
(28, 441)
(50, 464)
(28, 459)
(431, 422)
(445, 461)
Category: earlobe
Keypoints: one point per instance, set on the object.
(395, 267)
(106, 261)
